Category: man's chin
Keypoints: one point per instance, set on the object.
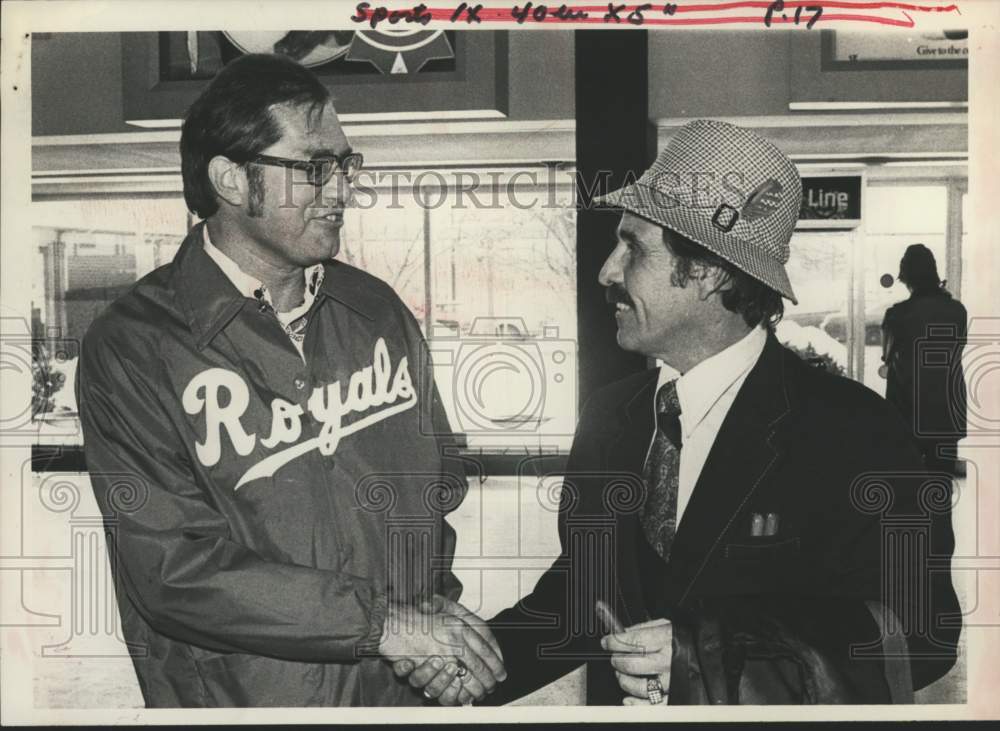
(626, 341)
(329, 246)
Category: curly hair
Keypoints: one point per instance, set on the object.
(738, 291)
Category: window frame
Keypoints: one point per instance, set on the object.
(64, 452)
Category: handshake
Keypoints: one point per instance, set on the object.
(444, 650)
(451, 655)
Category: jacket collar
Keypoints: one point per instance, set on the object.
(342, 284)
(249, 286)
(207, 296)
(210, 300)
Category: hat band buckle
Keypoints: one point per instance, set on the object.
(725, 226)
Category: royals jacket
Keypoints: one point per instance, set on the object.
(262, 507)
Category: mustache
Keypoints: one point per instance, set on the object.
(616, 293)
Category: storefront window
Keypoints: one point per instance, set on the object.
(838, 278)
(491, 280)
(897, 216)
(966, 271)
(87, 253)
(816, 328)
(504, 332)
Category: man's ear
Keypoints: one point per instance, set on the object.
(709, 279)
(228, 180)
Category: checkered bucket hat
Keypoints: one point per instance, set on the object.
(727, 189)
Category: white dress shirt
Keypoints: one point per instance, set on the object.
(706, 392)
(248, 286)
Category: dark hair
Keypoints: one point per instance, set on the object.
(232, 117)
(918, 270)
(739, 292)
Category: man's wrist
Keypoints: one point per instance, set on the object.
(378, 627)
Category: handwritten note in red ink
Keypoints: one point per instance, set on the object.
(769, 13)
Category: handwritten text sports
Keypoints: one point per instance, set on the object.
(367, 388)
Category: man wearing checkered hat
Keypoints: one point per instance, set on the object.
(733, 508)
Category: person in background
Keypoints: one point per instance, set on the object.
(922, 342)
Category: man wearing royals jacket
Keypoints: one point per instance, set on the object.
(264, 438)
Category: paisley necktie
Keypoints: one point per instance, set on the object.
(661, 473)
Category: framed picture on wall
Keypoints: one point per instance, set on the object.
(860, 50)
(886, 70)
(421, 74)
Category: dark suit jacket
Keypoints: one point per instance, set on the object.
(826, 454)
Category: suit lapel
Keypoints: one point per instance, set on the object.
(748, 446)
(625, 456)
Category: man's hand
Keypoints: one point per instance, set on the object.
(438, 677)
(429, 643)
(641, 652)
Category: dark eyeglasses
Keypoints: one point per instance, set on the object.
(320, 171)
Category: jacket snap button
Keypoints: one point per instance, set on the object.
(300, 383)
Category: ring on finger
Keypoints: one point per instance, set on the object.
(463, 670)
(654, 691)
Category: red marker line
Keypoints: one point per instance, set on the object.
(908, 23)
(735, 20)
(842, 4)
(652, 21)
(845, 4)
(651, 17)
